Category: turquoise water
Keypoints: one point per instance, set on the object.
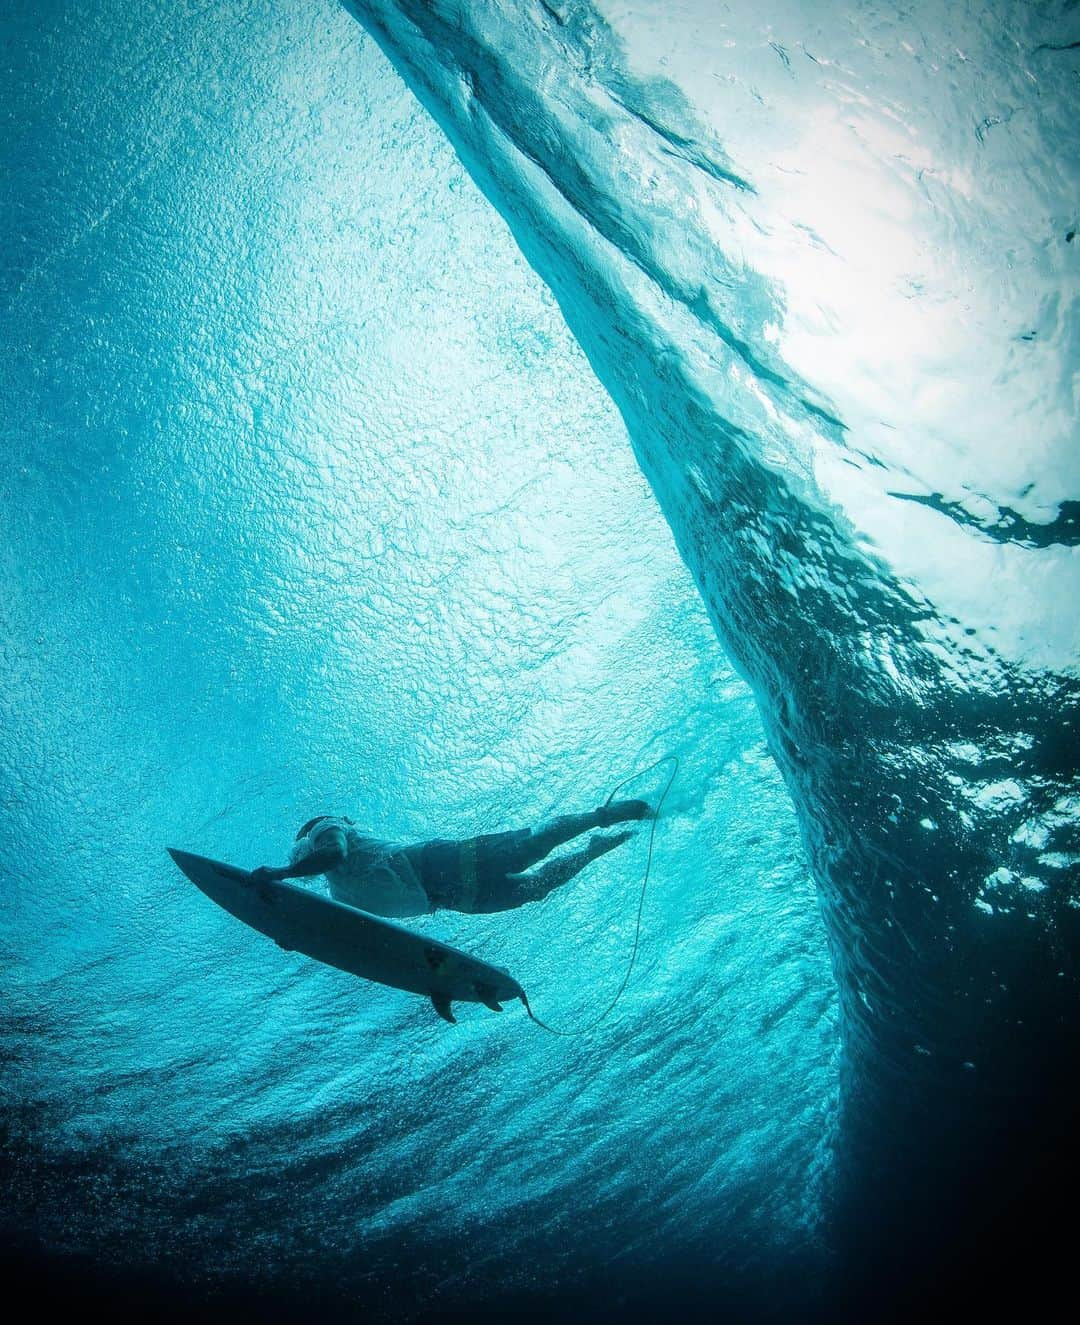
(331, 486)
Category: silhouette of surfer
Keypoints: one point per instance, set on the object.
(494, 872)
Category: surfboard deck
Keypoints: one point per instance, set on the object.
(365, 945)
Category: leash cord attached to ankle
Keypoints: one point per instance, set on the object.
(582, 1030)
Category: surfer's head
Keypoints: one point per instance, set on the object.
(319, 818)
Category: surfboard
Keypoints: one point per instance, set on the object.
(365, 945)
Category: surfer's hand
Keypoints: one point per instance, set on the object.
(266, 874)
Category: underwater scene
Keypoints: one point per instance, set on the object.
(539, 659)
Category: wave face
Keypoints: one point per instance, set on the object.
(823, 259)
(311, 502)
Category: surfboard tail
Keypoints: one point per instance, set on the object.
(487, 995)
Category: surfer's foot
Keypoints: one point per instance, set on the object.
(600, 843)
(621, 811)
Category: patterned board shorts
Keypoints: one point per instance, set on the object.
(459, 874)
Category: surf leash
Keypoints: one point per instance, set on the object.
(584, 1030)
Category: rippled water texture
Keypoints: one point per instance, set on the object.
(311, 501)
(333, 484)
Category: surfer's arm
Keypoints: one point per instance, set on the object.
(330, 849)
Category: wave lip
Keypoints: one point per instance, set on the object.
(823, 267)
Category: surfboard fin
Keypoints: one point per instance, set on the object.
(486, 995)
(441, 1004)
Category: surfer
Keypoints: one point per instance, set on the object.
(493, 872)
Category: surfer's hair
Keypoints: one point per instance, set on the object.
(319, 818)
(311, 824)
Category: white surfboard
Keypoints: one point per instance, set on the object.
(352, 940)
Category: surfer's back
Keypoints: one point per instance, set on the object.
(372, 875)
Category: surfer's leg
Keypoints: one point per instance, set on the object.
(504, 892)
(534, 844)
(457, 875)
